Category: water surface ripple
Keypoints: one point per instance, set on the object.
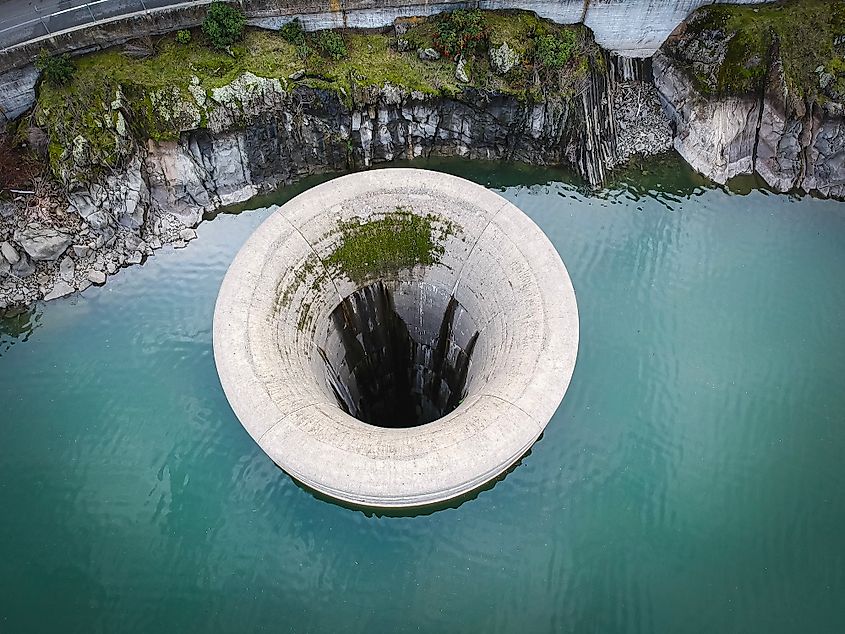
(691, 481)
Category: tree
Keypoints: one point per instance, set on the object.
(223, 25)
(555, 50)
(459, 32)
(331, 44)
(56, 69)
(293, 32)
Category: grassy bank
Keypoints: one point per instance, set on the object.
(116, 99)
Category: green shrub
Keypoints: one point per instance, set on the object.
(223, 25)
(331, 44)
(56, 69)
(553, 51)
(303, 51)
(183, 37)
(292, 32)
(459, 31)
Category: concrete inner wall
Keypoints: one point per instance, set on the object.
(398, 353)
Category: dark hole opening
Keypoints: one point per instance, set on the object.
(382, 375)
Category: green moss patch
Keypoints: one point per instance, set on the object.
(396, 241)
(802, 32)
(371, 61)
(371, 250)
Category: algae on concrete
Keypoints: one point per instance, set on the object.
(387, 244)
(372, 249)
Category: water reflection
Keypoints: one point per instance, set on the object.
(17, 325)
(418, 511)
(693, 473)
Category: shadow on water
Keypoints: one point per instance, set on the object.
(16, 326)
(665, 178)
(498, 175)
(669, 180)
(277, 196)
(414, 511)
(493, 174)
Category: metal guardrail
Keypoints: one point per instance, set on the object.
(79, 16)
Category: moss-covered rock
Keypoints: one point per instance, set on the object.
(729, 49)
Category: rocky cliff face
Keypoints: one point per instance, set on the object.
(144, 145)
(790, 146)
(742, 90)
(741, 105)
(256, 144)
(715, 136)
(257, 135)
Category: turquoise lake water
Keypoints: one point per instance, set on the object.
(691, 481)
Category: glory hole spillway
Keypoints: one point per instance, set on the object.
(396, 338)
(385, 375)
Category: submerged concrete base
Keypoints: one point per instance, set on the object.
(489, 336)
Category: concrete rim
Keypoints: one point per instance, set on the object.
(502, 264)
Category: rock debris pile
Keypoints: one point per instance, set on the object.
(642, 128)
(48, 251)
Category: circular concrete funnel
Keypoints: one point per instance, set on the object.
(397, 337)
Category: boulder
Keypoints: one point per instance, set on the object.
(43, 243)
(60, 289)
(187, 234)
(461, 72)
(82, 250)
(428, 55)
(23, 268)
(96, 277)
(67, 268)
(9, 253)
(133, 242)
(83, 204)
(503, 58)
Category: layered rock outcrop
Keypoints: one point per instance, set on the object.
(290, 134)
(256, 133)
(736, 110)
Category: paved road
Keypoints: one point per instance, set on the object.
(13, 13)
(23, 20)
